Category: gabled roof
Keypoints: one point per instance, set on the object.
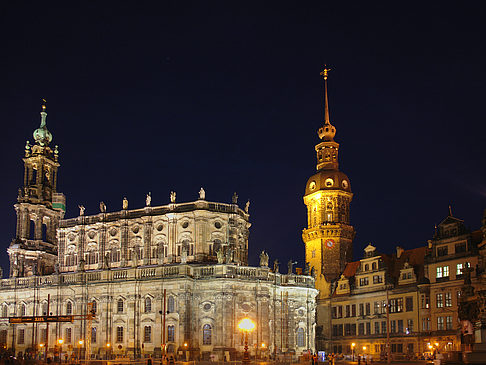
(351, 268)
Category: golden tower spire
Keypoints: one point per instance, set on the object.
(324, 74)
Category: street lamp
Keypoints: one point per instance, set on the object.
(246, 325)
(60, 341)
(108, 345)
(352, 349)
(80, 343)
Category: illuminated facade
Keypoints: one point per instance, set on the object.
(329, 235)
(169, 278)
(405, 303)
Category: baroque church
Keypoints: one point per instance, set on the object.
(153, 279)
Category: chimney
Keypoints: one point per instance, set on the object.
(399, 252)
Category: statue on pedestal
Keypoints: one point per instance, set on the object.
(263, 259)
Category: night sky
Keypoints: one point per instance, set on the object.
(227, 96)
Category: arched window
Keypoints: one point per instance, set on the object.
(119, 306)
(171, 304)
(207, 334)
(23, 309)
(5, 311)
(69, 308)
(171, 333)
(367, 267)
(373, 265)
(32, 229)
(148, 305)
(300, 337)
(44, 309)
(44, 232)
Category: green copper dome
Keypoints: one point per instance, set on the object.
(41, 135)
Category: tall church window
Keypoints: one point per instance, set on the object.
(207, 334)
(44, 232)
(119, 306)
(171, 333)
(32, 230)
(23, 309)
(69, 308)
(148, 305)
(68, 336)
(21, 336)
(300, 337)
(93, 334)
(147, 334)
(171, 304)
(119, 334)
(4, 310)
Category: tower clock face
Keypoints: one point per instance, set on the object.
(330, 243)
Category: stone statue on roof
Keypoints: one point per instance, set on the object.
(263, 259)
(102, 207)
(247, 206)
(81, 209)
(234, 198)
(125, 203)
(202, 194)
(148, 199)
(275, 266)
(172, 196)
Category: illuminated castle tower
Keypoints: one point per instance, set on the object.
(39, 208)
(329, 235)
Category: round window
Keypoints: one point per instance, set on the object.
(160, 227)
(113, 231)
(207, 306)
(345, 184)
(218, 225)
(312, 185)
(185, 224)
(329, 182)
(135, 229)
(301, 312)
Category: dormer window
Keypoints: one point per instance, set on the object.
(442, 251)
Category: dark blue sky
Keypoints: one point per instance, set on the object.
(227, 95)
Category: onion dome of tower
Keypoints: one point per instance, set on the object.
(42, 136)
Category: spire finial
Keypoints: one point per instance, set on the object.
(43, 113)
(324, 74)
(450, 211)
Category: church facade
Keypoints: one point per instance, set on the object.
(172, 278)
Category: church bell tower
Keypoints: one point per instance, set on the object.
(328, 237)
(39, 208)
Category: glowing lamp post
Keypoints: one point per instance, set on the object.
(60, 342)
(80, 343)
(352, 349)
(246, 325)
